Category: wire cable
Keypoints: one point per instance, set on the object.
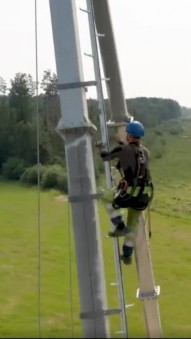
(38, 176)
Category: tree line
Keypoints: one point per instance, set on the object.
(18, 127)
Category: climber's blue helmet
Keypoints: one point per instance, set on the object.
(135, 129)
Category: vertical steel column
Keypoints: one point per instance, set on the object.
(147, 292)
(76, 129)
(111, 69)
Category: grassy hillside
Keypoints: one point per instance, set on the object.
(171, 174)
(59, 304)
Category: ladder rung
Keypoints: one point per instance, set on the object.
(148, 295)
(114, 284)
(129, 305)
(100, 35)
(89, 55)
(84, 10)
(105, 79)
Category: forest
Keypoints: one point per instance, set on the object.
(23, 112)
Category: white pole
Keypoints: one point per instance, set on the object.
(76, 130)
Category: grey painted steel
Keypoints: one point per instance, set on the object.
(98, 314)
(147, 292)
(76, 85)
(84, 197)
(81, 176)
(104, 135)
(119, 112)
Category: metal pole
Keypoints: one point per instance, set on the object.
(119, 113)
(76, 130)
(148, 292)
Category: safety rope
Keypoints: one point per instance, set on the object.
(39, 204)
(38, 178)
(149, 221)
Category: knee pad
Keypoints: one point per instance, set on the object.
(109, 207)
(129, 239)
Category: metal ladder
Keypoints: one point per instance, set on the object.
(104, 135)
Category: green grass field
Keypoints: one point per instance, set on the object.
(59, 300)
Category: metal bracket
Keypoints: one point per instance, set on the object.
(78, 84)
(119, 124)
(148, 295)
(97, 314)
(84, 197)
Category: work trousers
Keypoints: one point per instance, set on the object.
(116, 219)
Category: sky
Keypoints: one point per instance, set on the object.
(153, 42)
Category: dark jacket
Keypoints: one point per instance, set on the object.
(127, 159)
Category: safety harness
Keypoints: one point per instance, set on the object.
(138, 192)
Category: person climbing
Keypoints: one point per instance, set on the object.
(135, 189)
